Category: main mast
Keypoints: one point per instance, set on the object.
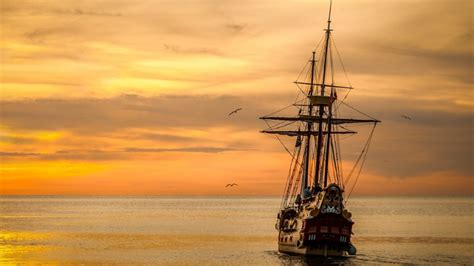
(319, 122)
(321, 110)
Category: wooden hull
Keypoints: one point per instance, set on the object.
(317, 226)
(311, 251)
(325, 235)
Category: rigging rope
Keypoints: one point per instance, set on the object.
(339, 154)
(283, 125)
(335, 162)
(332, 66)
(343, 68)
(296, 183)
(365, 151)
(281, 142)
(289, 177)
(353, 108)
(286, 107)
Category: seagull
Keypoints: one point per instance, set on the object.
(234, 112)
(231, 185)
(406, 117)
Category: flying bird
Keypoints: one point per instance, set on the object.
(406, 117)
(231, 185)
(234, 112)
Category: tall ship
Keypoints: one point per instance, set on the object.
(313, 218)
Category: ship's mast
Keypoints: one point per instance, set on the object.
(304, 183)
(321, 109)
(314, 119)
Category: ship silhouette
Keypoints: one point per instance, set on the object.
(313, 218)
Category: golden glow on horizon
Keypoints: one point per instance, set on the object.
(47, 170)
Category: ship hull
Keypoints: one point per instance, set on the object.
(318, 226)
(311, 251)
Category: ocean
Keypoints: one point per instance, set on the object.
(223, 231)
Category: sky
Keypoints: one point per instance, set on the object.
(131, 97)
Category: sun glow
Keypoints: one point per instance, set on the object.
(110, 98)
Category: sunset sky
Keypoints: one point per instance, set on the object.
(121, 97)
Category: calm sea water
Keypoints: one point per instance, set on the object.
(223, 231)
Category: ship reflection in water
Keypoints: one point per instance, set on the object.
(216, 231)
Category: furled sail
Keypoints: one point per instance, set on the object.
(317, 119)
(294, 133)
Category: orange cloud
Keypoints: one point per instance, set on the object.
(139, 103)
